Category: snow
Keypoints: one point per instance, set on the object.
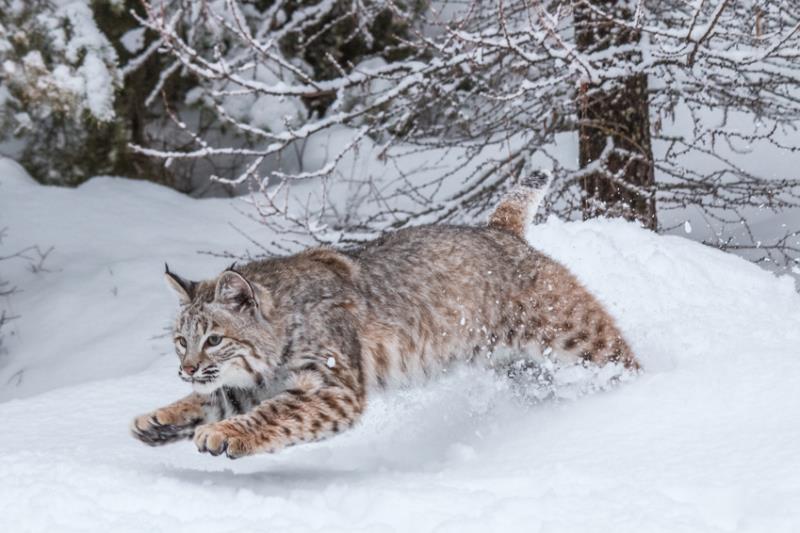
(133, 40)
(704, 440)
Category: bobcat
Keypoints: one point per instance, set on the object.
(284, 351)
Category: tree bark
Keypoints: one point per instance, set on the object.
(623, 185)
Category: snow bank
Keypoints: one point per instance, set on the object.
(102, 309)
(705, 440)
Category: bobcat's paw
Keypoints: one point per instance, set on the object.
(224, 437)
(162, 427)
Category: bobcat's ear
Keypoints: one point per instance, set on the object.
(235, 291)
(183, 287)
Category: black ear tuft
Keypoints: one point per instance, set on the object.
(183, 287)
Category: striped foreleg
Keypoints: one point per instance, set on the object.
(299, 414)
(174, 422)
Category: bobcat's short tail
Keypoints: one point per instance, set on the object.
(515, 212)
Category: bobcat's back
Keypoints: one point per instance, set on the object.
(440, 293)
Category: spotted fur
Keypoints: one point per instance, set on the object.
(285, 351)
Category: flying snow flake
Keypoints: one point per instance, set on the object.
(331, 362)
(687, 227)
(463, 320)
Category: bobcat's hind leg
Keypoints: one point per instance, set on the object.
(571, 324)
(594, 339)
(174, 422)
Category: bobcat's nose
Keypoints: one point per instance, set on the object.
(189, 369)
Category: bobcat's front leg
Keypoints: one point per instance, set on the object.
(174, 422)
(301, 414)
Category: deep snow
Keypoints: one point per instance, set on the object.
(705, 440)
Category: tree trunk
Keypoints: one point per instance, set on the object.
(614, 124)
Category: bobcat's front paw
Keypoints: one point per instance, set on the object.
(224, 437)
(162, 427)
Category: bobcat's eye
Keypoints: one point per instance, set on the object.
(181, 341)
(213, 340)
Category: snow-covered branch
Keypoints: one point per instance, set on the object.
(481, 92)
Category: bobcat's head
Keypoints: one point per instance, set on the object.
(224, 334)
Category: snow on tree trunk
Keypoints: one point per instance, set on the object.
(614, 125)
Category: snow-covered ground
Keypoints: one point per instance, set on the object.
(705, 440)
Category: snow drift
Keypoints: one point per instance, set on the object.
(704, 440)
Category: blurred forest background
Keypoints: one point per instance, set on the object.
(339, 119)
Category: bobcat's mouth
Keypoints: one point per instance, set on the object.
(207, 380)
(204, 376)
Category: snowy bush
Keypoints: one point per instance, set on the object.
(82, 81)
(59, 77)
